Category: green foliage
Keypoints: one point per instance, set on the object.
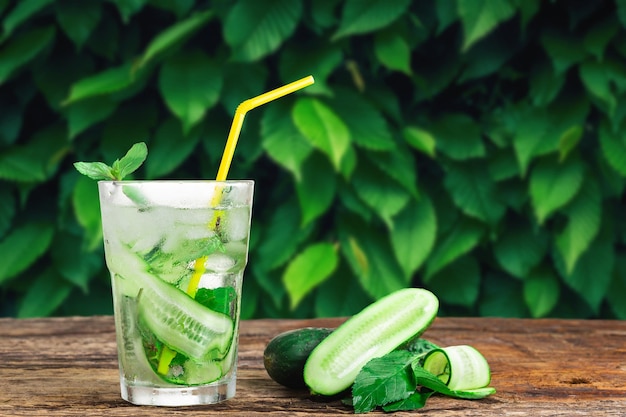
(473, 147)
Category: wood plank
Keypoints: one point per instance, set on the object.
(68, 367)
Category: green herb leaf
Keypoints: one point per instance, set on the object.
(130, 162)
(415, 401)
(383, 380)
(121, 168)
(95, 170)
(217, 299)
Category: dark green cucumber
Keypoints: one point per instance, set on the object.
(375, 331)
(285, 355)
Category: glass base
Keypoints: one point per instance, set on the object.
(179, 396)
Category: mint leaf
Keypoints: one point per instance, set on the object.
(95, 170)
(130, 162)
(217, 299)
(382, 381)
(415, 401)
(121, 168)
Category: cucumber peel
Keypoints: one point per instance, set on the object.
(459, 367)
(373, 332)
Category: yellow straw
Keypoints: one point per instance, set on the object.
(240, 113)
(167, 354)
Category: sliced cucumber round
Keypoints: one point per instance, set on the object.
(375, 331)
(459, 367)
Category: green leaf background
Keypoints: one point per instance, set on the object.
(472, 147)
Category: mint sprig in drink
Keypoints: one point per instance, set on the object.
(176, 251)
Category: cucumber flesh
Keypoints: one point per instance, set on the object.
(183, 324)
(174, 317)
(375, 331)
(459, 367)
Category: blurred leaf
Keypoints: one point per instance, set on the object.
(128, 8)
(23, 48)
(323, 13)
(564, 49)
(393, 51)
(173, 36)
(359, 16)
(479, 17)
(271, 284)
(89, 112)
(613, 148)
(22, 11)
(378, 191)
(592, 274)
(473, 191)
(37, 160)
(22, 246)
(131, 123)
(541, 292)
(458, 136)
(369, 255)
(491, 57)
(545, 84)
(398, 164)
(368, 128)
(254, 29)
(321, 126)
(190, 84)
(309, 269)
(281, 235)
(621, 11)
(554, 185)
(458, 283)
(72, 262)
(282, 141)
(520, 248)
(501, 297)
(615, 294)
(103, 83)
(598, 82)
(462, 238)
(569, 140)
(319, 59)
(179, 7)
(45, 294)
(341, 297)
(86, 203)
(8, 205)
(530, 130)
(599, 35)
(413, 236)
(316, 188)
(169, 149)
(78, 19)
(10, 125)
(584, 217)
(242, 82)
(420, 139)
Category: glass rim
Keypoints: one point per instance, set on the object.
(174, 181)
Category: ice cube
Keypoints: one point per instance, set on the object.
(236, 224)
(219, 262)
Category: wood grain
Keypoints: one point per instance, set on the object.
(68, 367)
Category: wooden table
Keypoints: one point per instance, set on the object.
(68, 367)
